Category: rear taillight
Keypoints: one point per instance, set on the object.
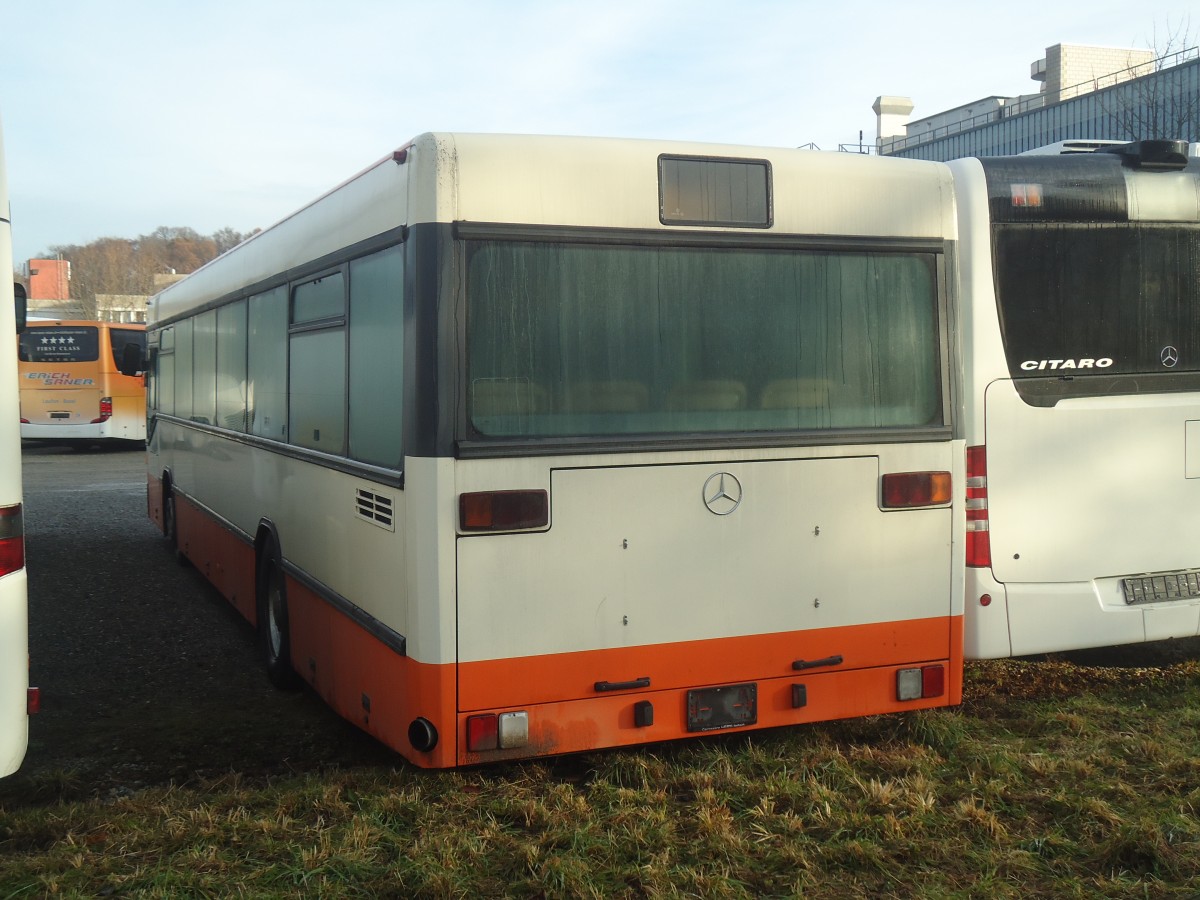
(12, 539)
(922, 683)
(905, 490)
(33, 701)
(105, 410)
(503, 510)
(506, 731)
(979, 543)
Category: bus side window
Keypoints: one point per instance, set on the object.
(131, 360)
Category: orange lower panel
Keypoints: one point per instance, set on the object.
(154, 500)
(609, 721)
(562, 676)
(368, 682)
(222, 556)
(384, 692)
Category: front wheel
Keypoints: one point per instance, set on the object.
(273, 626)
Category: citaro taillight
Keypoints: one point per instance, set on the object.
(979, 543)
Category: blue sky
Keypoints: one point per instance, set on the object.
(125, 115)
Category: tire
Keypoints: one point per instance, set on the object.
(273, 625)
(169, 529)
(171, 526)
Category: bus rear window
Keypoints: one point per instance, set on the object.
(702, 191)
(601, 340)
(1083, 301)
(60, 344)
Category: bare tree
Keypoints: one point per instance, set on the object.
(1159, 105)
(126, 267)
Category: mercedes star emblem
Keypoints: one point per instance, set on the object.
(1169, 356)
(722, 493)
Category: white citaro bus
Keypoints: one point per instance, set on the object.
(1082, 390)
(16, 698)
(515, 446)
(72, 385)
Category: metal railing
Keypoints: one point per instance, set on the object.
(1038, 101)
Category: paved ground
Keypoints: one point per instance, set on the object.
(147, 674)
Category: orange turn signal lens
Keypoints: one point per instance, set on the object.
(503, 510)
(905, 490)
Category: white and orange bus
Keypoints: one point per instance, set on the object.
(16, 697)
(514, 446)
(1081, 320)
(72, 386)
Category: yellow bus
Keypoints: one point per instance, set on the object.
(72, 388)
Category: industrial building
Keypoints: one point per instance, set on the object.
(1087, 93)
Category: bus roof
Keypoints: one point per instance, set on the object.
(569, 181)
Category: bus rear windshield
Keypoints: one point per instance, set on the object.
(606, 340)
(1088, 305)
(79, 343)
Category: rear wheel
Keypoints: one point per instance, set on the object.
(171, 525)
(273, 625)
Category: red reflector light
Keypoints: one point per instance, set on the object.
(483, 733)
(33, 701)
(933, 681)
(985, 600)
(979, 542)
(1026, 194)
(503, 510)
(902, 490)
(12, 539)
(105, 410)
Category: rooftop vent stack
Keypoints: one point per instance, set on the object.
(891, 116)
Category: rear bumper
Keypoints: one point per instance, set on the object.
(110, 430)
(1024, 619)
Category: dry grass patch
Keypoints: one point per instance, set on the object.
(1052, 780)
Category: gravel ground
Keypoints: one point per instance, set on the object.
(147, 675)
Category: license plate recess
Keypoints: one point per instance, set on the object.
(1165, 586)
(729, 706)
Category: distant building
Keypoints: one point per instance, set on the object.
(121, 307)
(50, 295)
(1087, 93)
(49, 279)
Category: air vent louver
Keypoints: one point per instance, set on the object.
(374, 508)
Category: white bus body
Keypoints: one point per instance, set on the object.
(14, 610)
(515, 446)
(1082, 390)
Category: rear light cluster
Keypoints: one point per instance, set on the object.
(979, 542)
(922, 683)
(905, 490)
(503, 510)
(506, 731)
(105, 410)
(12, 539)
